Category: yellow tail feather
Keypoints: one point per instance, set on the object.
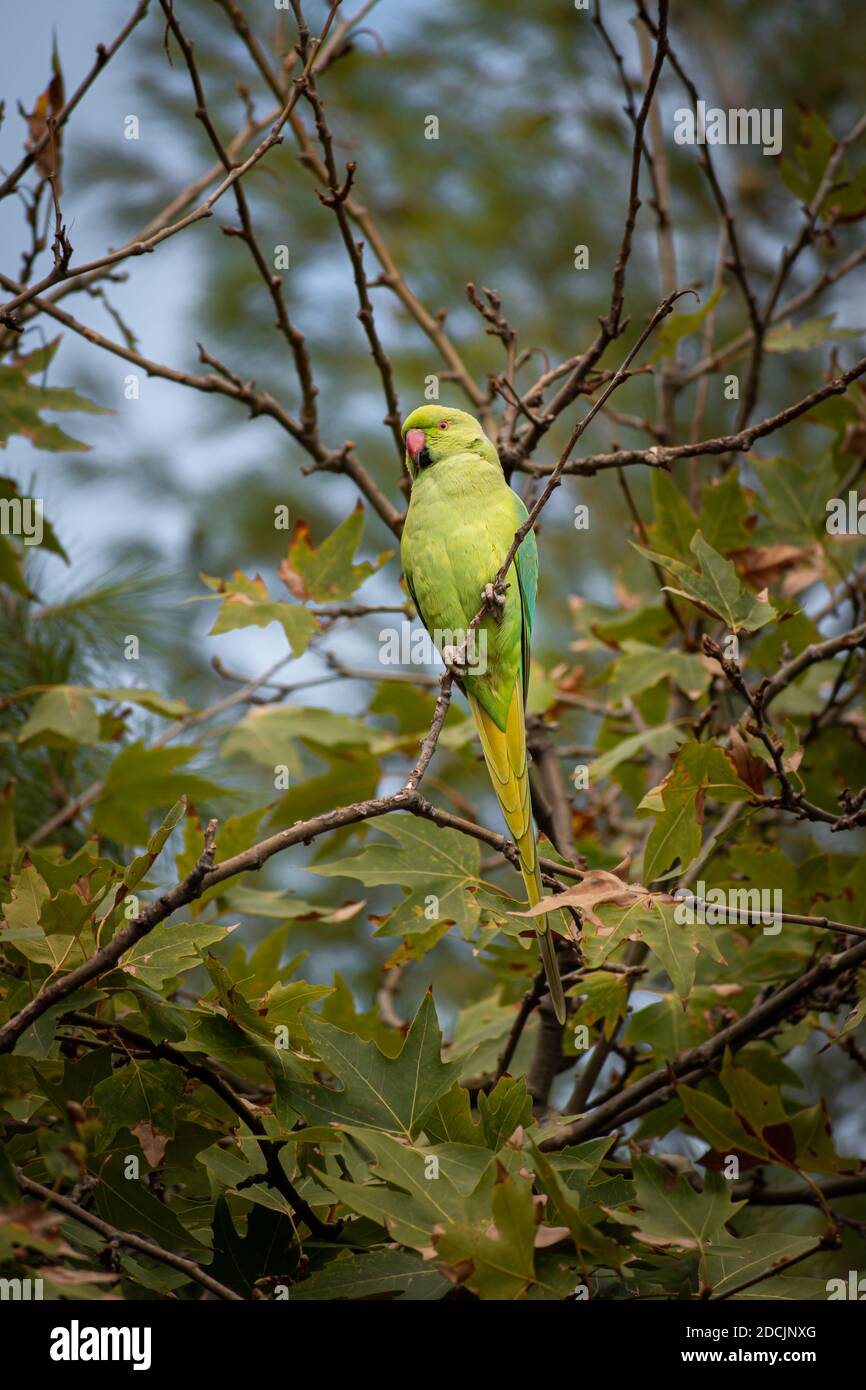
(505, 756)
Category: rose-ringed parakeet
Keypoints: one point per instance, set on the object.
(460, 524)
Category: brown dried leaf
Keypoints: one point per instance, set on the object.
(48, 106)
(458, 1273)
(152, 1142)
(550, 1235)
(750, 769)
(761, 565)
(854, 441)
(667, 1242)
(286, 570)
(64, 1277)
(596, 886)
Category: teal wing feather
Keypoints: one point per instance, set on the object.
(527, 578)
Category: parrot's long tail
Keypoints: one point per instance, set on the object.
(505, 756)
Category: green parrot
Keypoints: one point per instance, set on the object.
(460, 524)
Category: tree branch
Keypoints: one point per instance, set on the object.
(128, 1238)
(269, 1148)
(203, 210)
(657, 1087)
(104, 54)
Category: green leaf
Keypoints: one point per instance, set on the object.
(141, 866)
(353, 775)
(643, 666)
(238, 1008)
(277, 903)
(247, 1049)
(846, 198)
(142, 779)
(715, 589)
(168, 951)
(27, 893)
(379, 1092)
(503, 1109)
(578, 1167)
(732, 1262)
(854, 1019)
(150, 700)
(286, 1001)
(162, 1021)
(795, 496)
(61, 719)
(373, 1274)
(131, 1206)
(718, 1124)
(811, 333)
(567, 1212)
(813, 147)
(227, 1167)
(9, 491)
(326, 572)
(675, 522)
(701, 770)
(673, 1214)
(661, 740)
(135, 1094)
(802, 1141)
(495, 1260)
(419, 1194)
(267, 1247)
(604, 996)
(478, 1025)
(11, 568)
(236, 833)
(450, 1120)
(813, 1143)
(340, 1009)
(267, 735)
(723, 514)
(759, 1105)
(246, 603)
(10, 1192)
(668, 1028)
(22, 403)
(679, 325)
(428, 862)
(651, 920)
(8, 833)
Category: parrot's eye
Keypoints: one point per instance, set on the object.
(443, 424)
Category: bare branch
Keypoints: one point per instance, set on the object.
(104, 54)
(203, 210)
(661, 456)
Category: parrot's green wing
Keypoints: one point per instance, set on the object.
(413, 597)
(526, 564)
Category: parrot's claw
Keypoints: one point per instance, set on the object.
(493, 597)
(454, 659)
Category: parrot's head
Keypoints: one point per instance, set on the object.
(436, 432)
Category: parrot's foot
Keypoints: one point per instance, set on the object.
(455, 660)
(493, 598)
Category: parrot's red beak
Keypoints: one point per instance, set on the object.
(415, 441)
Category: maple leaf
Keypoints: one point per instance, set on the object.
(596, 886)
